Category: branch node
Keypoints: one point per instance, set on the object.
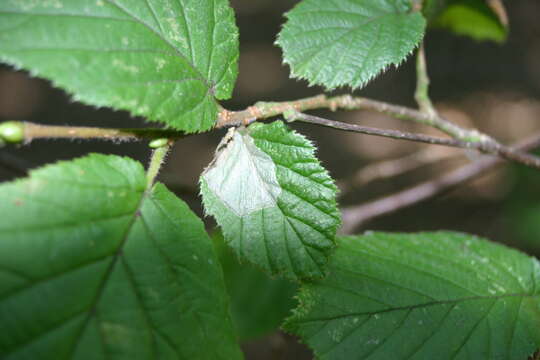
(224, 117)
(256, 111)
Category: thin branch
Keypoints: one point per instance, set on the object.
(264, 110)
(485, 147)
(354, 216)
(388, 133)
(390, 168)
(32, 131)
(498, 8)
(464, 138)
(261, 110)
(470, 139)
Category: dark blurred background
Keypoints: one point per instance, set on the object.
(495, 88)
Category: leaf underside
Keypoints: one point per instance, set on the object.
(93, 266)
(348, 42)
(401, 296)
(165, 60)
(273, 200)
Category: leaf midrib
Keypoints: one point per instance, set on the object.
(262, 179)
(287, 216)
(109, 271)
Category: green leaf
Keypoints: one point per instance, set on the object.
(166, 60)
(473, 18)
(254, 316)
(273, 200)
(348, 42)
(422, 296)
(94, 266)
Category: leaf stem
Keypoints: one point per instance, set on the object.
(421, 94)
(156, 161)
(433, 118)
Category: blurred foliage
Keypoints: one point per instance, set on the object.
(523, 209)
(259, 304)
(432, 8)
(473, 18)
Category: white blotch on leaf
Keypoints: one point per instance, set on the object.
(160, 63)
(118, 334)
(175, 33)
(243, 176)
(372, 342)
(119, 64)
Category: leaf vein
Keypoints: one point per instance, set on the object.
(432, 333)
(469, 334)
(52, 277)
(161, 36)
(416, 306)
(54, 327)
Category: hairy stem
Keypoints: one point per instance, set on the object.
(156, 161)
(31, 131)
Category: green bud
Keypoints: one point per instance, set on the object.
(158, 143)
(12, 131)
